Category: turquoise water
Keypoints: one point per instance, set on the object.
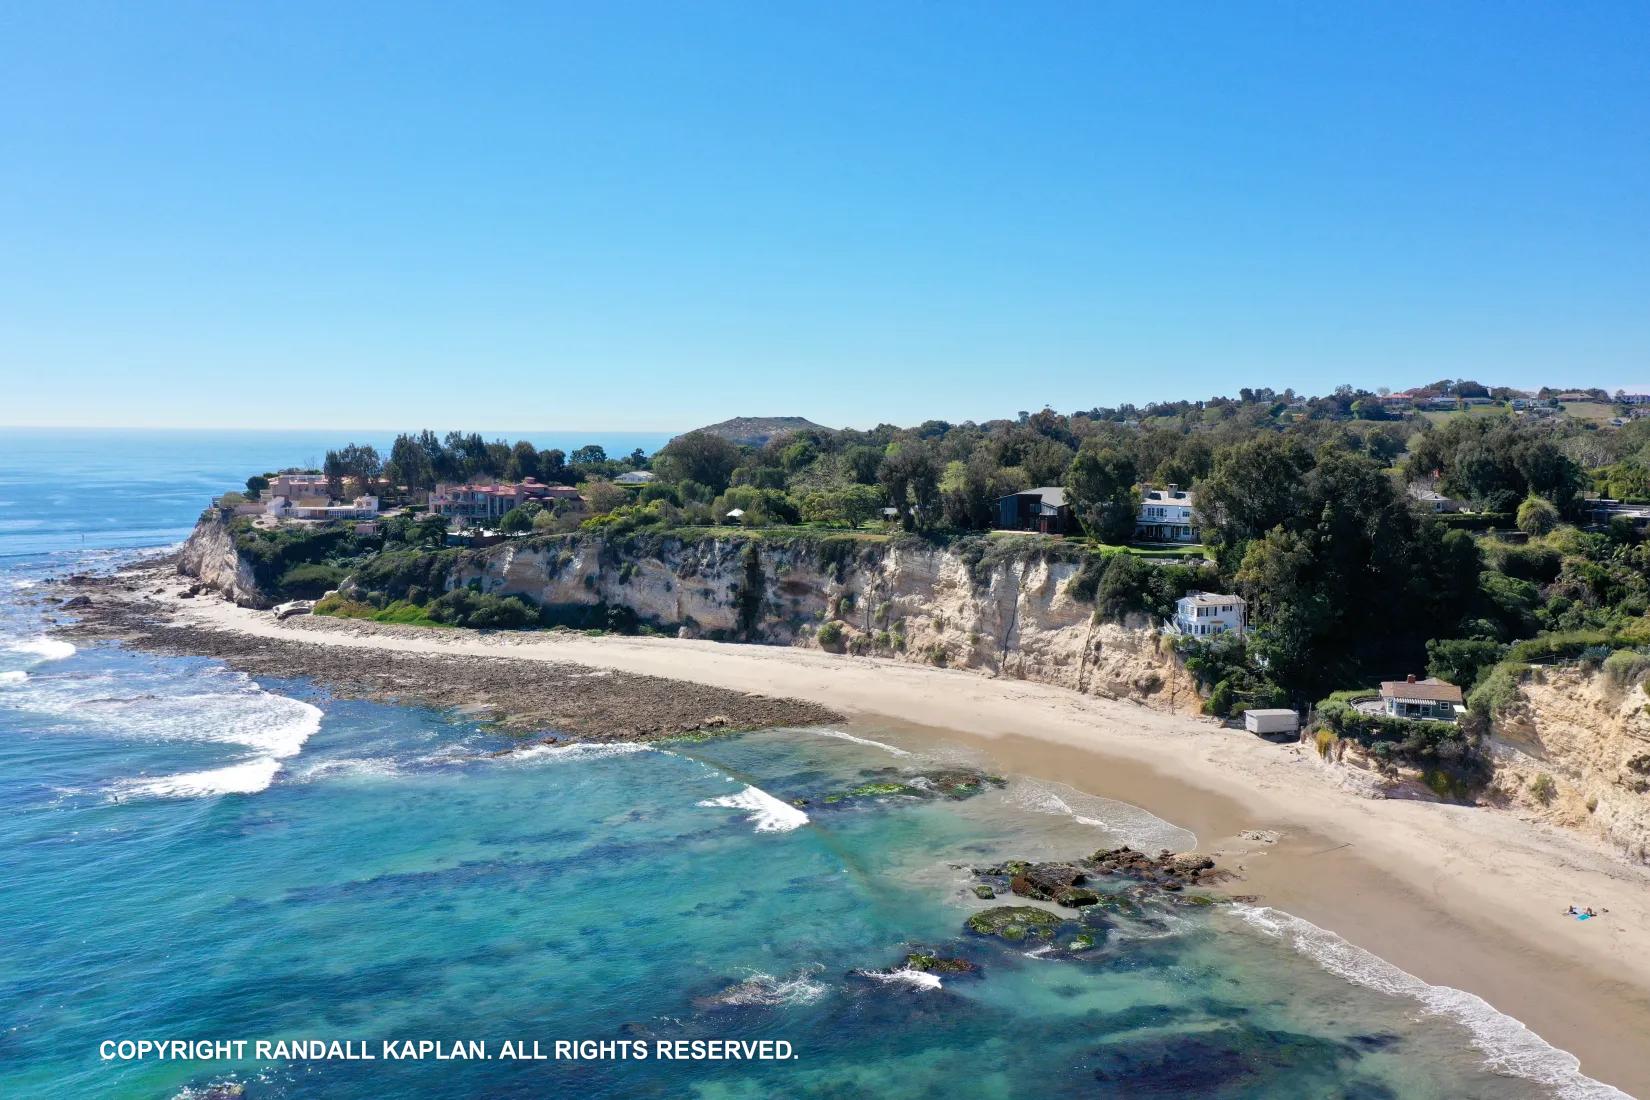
(188, 854)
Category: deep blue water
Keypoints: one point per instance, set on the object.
(185, 853)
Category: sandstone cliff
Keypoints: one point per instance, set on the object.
(1001, 607)
(1006, 612)
(210, 557)
(1575, 751)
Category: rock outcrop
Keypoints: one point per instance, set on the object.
(1575, 751)
(209, 556)
(1010, 613)
(1003, 607)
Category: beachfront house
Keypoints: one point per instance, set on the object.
(485, 504)
(1205, 614)
(1431, 698)
(1043, 509)
(1166, 515)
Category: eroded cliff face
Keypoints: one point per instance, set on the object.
(1590, 739)
(210, 557)
(1012, 616)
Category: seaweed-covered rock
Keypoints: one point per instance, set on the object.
(1015, 923)
(984, 891)
(960, 783)
(871, 790)
(936, 964)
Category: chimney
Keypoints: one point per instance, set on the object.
(1410, 679)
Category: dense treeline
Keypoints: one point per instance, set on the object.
(1304, 504)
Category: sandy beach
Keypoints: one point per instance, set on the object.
(1464, 897)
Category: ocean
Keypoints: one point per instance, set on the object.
(186, 853)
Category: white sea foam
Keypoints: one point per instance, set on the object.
(1507, 1045)
(247, 777)
(379, 766)
(1127, 823)
(16, 676)
(767, 813)
(765, 989)
(43, 648)
(905, 975)
(579, 750)
(842, 736)
(211, 705)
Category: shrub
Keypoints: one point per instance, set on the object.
(309, 580)
(1537, 516)
(1543, 789)
(1497, 691)
(1625, 667)
(830, 636)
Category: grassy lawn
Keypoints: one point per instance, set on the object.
(1189, 550)
(1589, 410)
(1438, 416)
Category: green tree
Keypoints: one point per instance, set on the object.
(1537, 516)
(1100, 490)
(524, 461)
(910, 472)
(410, 464)
(698, 456)
(1460, 660)
(518, 520)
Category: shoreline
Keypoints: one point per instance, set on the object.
(1465, 897)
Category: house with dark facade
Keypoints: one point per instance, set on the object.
(1044, 510)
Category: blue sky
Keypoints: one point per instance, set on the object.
(636, 216)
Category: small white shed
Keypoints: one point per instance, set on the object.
(1271, 721)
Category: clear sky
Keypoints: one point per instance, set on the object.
(638, 216)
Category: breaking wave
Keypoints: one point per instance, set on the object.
(905, 975)
(200, 706)
(765, 989)
(766, 812)
(248, 777)
(1126, 823)
(1507, 1045)
(44, 649)
(841, 736)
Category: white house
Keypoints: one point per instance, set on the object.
(361, 508)
(1166, 515)
(1432, 500)
(1204, 614)
(634, 477)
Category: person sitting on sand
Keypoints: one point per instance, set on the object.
(1571, 911)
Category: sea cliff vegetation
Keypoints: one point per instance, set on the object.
(1314, 510)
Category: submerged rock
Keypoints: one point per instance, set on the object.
(1015, 923)
(952, 783)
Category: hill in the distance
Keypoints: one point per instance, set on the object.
(754, 431)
